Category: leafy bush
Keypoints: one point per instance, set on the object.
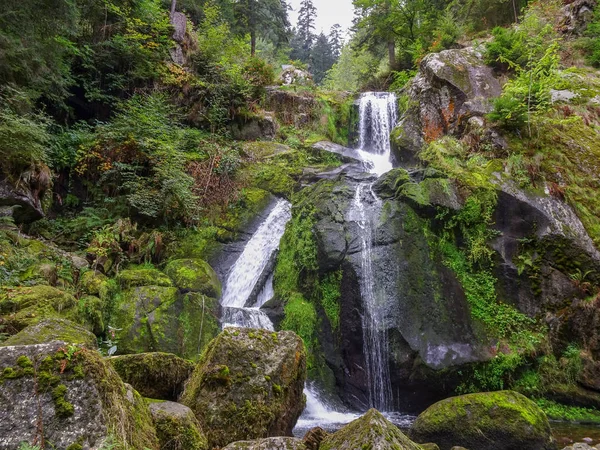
(591, 40)
(137, 156)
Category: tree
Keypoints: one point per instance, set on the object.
(322, 58)
(335, 40)
(262, 17)
(306, 25)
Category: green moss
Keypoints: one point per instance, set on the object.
(62, 407)
(142, 277)
(194, 275)
(53, 329)
(75, 446)
(177, 432)
(91, 282)
(301, 317)
(330, 287)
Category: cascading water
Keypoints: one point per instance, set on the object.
(250, 269)
(365, 212)
(377, 118)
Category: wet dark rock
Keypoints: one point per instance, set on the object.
(349, 155)
(248, 385)
(27, 206)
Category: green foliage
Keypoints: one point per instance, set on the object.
(479, 15)
(353, 70)
(557, 411)
(591, 40)
(301, 317)
(330, 292)
(136, 156)
(23, 141)
(495, 375)
(531, 51)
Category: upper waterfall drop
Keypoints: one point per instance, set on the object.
(378, 115)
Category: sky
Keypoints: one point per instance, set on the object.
(329, 12)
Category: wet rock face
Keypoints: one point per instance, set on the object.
(290, 108)
(372, 431)
(451, 87)
(254, 128)
(28, 202)
(425, 315)
(76, 400)
(248, 385)
(502, 420)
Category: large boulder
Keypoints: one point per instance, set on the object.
(372, 431)
(176, 427)
(291, 108)
(502, 420)
(73, 396)
(450, 88)
(161, 319)
(576, 15)
(53, 329)
(194, 275)
(154, 375)
(248, 385)
(275, 443)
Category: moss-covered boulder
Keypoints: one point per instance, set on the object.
(276, 443)
(248, 385)
(161, 319)
(154, 375)
(502, 420)
(372, 431)
(24, 306)
(53, 330)
(194, 275)
(131, 278)
(91, 282)
(176, 427)
(71, 393)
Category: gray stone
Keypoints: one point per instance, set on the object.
(349, 155)
(562, 96)
(576, 15)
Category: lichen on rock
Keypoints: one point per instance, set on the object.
(53, 330)
(194, 275)
(176, 427)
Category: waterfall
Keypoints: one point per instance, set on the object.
(365, 211)
(377, 118)
(243, 293)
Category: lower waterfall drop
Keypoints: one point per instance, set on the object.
(375, 339)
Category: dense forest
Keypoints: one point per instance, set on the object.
(217, 225)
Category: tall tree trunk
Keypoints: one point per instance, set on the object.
(253, 42)
(514, 2)
(173, 6)
(392, 53)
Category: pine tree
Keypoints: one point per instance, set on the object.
(336, 41)
(257, 17)
(306, 25)
(322, 58)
